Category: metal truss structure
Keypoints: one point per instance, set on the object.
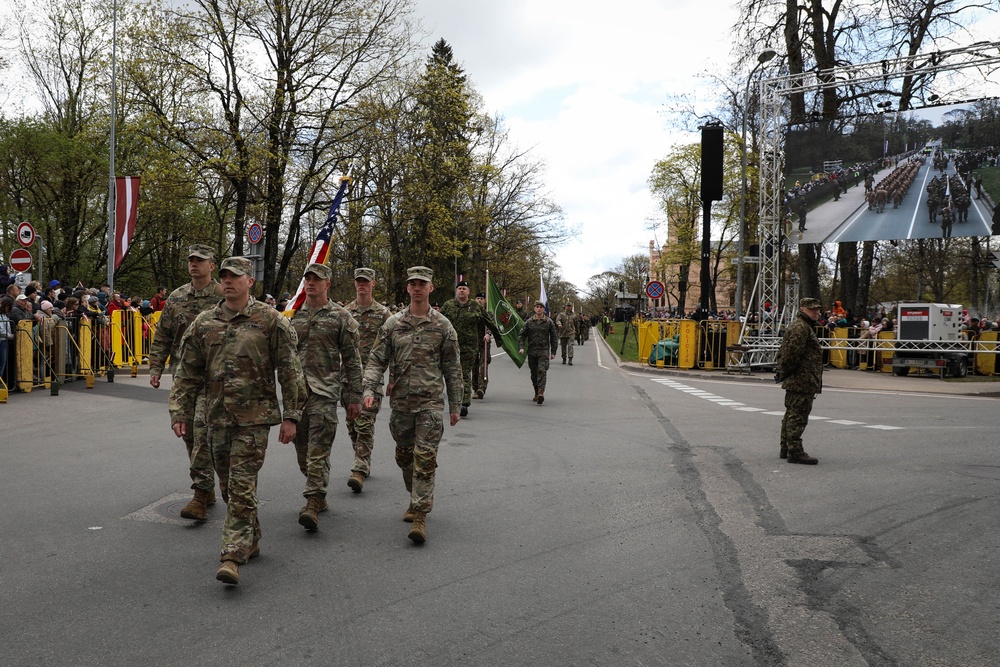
(774, 100)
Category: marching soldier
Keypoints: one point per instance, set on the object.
(538, 337)
(331, 365)
(183, 305)
(419, 346)
(566, 324)
(231, 354)
(480, 372)
(370, 316)
(468, 317)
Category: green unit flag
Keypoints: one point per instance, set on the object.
(507, 320)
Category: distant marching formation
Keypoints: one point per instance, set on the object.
(893, 187)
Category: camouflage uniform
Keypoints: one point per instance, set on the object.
(419, 352)
(480, 374)
(566, 323)
(327, 343)
(362, 430)
(537, 338)
(801, 366)
(183, 305)
(467, 319)
(232, 357)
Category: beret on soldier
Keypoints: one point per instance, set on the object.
(462, 283)
(420, 273)
(238, 266)
(364, 273)
(481, 295)
(809, 302)
(201, 251)
(321, 271)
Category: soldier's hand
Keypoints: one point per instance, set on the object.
(154, 381)
(521, 351)
(487, 338)
(287, 431)
(180, 429)
(388, 388)
(455, 418)
(353, 410)
(552, 356)
(368, 402)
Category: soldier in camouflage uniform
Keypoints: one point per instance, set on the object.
(183, 305)
(566, 324)
(801, 364)
(419, 346)
(370, 316)
(480, 371)
(331, 365)
(467, 316)
(538, 337)
(231, 353)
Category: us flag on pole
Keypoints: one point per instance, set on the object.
(126, 213)
(321, 247)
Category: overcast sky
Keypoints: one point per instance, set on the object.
(583, 85)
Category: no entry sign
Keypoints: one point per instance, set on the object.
(20, 260)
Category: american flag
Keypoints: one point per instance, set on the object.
(321, 246)
(126, 214)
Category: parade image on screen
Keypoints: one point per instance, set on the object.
(927, 173)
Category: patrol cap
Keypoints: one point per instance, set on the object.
(569, 305)
(420, 273)
(462, 283)
(538, 303)
(364, 273)
(321, 271)
(809, 302)
(238, 266)
(201, 251)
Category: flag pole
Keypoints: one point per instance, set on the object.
(111, 183)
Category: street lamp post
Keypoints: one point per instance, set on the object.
(765, 56)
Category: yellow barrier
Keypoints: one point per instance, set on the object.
(985, 364)
(838, 355)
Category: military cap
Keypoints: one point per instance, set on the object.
(481, 295)
(539, 303)
(809, 302)
(321, 271)
(462, 283)
(420, 273)
(364, 273)
(238, 266)
(201, 251)
(569, 305)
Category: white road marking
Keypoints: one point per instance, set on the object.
(742, 407)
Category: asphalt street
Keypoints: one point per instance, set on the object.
(636, 518)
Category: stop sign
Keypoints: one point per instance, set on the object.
(20, 260)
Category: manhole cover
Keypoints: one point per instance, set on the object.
(168, 510)
(989, 472)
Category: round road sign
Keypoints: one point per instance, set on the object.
(25, 234)
(20, 260)
(654, 289)
(255, 233)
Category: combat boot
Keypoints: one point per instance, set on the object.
(465, 411)
(801, 457)
(229, 573)
(783, 453)
(197, 508)
(410, 514)
(571, 361)
(418, 531)
(479, 393)
(541, 396)
(308, 515)
(357, 481)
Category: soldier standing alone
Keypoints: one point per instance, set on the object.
(331, 365)
(538, 337)
(231, 353)
(182, 306)
(370, 316)
(419, 346)
(801, 366)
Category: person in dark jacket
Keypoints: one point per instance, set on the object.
(801, 364)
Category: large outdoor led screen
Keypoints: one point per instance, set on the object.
(928, 173)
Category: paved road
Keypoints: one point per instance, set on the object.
(850, 220)
(635, 518)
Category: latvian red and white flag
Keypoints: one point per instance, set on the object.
(126, 213)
